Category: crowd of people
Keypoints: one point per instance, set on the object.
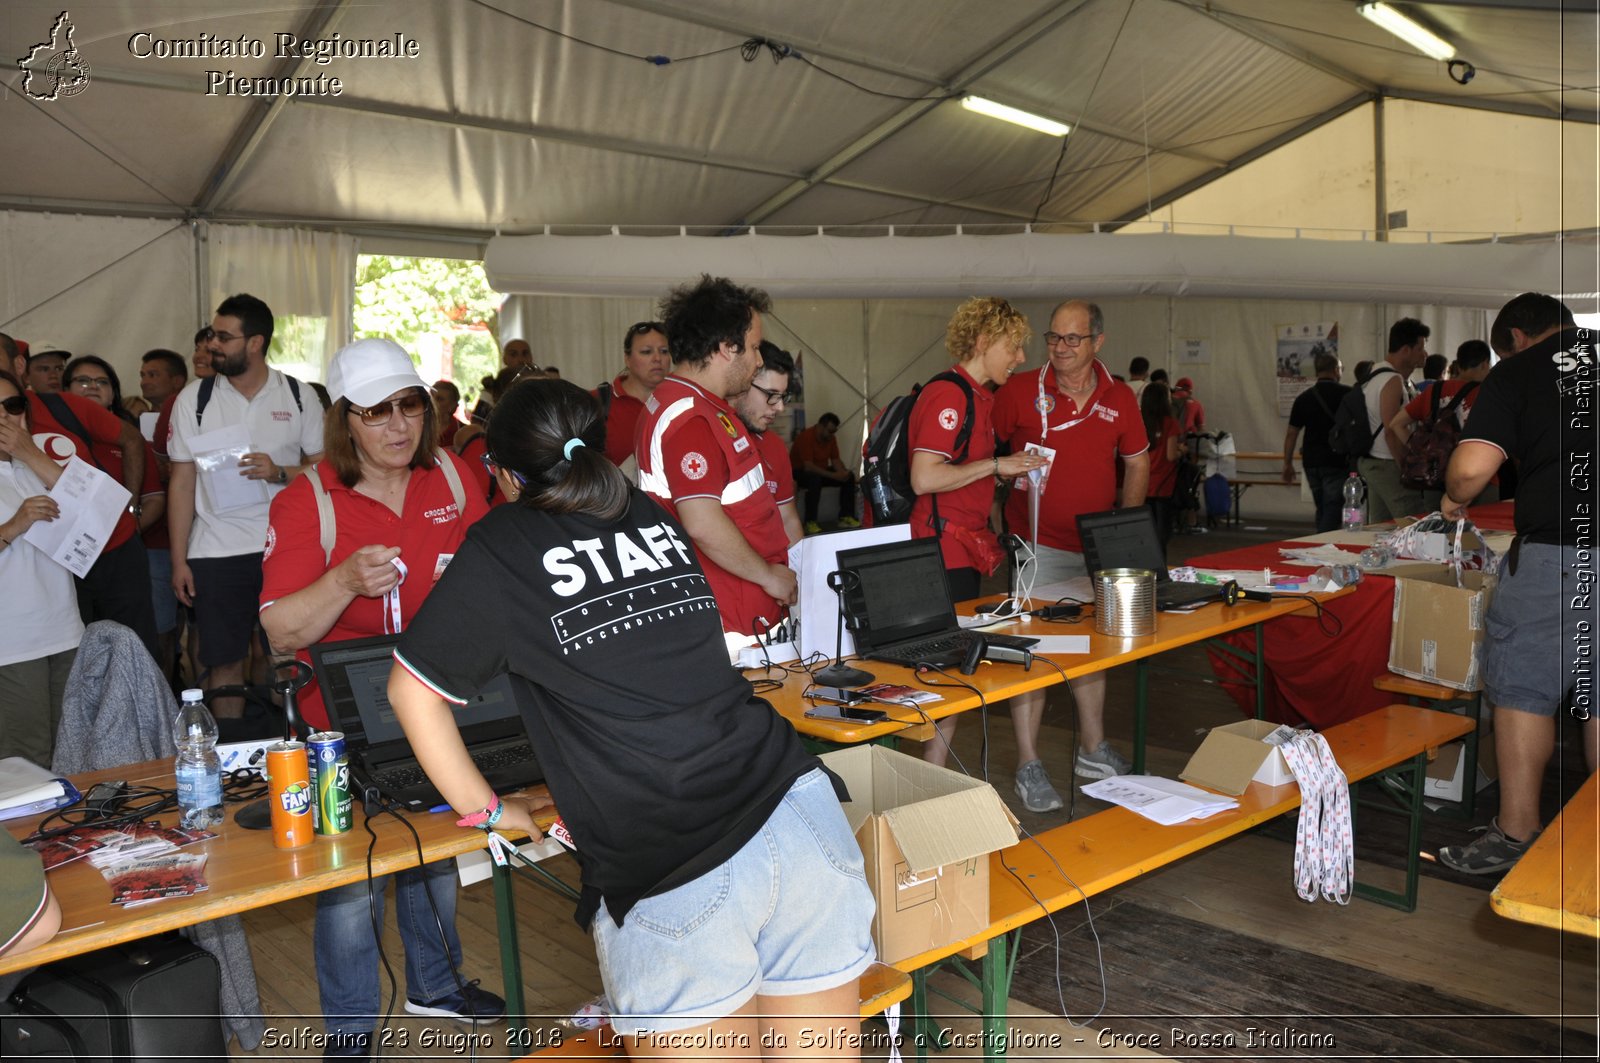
(268, 516)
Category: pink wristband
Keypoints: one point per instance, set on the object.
(485, 819)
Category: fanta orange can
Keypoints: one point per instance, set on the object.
(289, 791)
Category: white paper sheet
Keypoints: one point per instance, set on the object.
(1165, 801)
(91, 504)
(1066, 644)
(216, 457)
(147, 426)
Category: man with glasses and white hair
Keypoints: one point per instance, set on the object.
(218, 531)
(759, 408)
(1072, 406)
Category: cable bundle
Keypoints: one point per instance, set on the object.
(1324, 851)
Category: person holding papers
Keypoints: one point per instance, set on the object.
(401, 507)
(39, 628)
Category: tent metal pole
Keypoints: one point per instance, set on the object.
(1380, 175)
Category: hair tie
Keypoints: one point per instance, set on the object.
(572, 444)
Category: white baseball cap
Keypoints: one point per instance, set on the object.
(368, 371)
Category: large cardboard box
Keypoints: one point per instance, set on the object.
(1438, 629)
(926, 833)
(1448, 768)
(1234, 755)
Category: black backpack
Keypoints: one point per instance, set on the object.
(209, 384)
(1352, 434)
(888, 453)
(1428, 451)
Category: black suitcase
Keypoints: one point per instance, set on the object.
(149, 1000)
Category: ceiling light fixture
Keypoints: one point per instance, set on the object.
(1423, 40)
(1012, 114)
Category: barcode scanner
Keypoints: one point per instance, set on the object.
(1233, 594)
(975, 653)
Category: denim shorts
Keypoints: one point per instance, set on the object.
(788, 914)
(1541, 630)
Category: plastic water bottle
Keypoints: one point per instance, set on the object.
(1355, 503)
(198, 768)
(877, 490)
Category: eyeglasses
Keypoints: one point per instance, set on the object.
(494, 468)
(413, 405)
(1066, 339)
(89, 382)
(15, 405)
(223, 337)
(775, 398)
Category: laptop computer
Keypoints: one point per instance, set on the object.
(354, 676)
(899, 608)
(1126, 538)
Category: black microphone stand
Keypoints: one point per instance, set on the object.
(839, 674)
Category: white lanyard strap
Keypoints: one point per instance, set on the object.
(391, 601)
(1324, 852)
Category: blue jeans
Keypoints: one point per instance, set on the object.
(1326, 484)
(347, 954)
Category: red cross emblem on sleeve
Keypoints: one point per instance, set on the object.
(693, 465)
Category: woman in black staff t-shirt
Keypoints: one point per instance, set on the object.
(720, 878)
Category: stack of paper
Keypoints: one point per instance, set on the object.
(27, 789)
(1165, 801)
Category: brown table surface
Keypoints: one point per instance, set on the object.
(1554, 884)
(1000, 681)
(244, 871)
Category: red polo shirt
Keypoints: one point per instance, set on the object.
(691, 444)
(775, 459)
(935, 422)
(1031, 408)
(622, 421)
(428, 531)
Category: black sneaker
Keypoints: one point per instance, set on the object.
(476, 1005)
(1490, 854)
(348, 1046)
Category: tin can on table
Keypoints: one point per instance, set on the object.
(330, 782)
(289, 791)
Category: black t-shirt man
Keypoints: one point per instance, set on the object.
(661, 759)
(1537, 407)
(1313, 411)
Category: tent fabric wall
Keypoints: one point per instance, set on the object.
(115, 287)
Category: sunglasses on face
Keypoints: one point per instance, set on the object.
(412, 405)
(15, 405)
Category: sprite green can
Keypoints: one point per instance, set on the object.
(330, 782)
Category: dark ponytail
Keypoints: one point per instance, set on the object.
(529, 433)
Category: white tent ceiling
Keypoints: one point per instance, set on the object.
(522, 113)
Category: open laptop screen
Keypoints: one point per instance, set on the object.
(355, 674)
(902, 594)
(1121, 538)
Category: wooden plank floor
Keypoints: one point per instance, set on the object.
(1453, 942)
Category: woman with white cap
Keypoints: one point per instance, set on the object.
(399, 512)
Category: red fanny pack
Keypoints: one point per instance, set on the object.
(981, 546)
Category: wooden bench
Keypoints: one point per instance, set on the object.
(881, 987)
(1117, 846)
(1445, 699)
(1241, 482)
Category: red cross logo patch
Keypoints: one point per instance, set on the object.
(947, 418)
(694, 465)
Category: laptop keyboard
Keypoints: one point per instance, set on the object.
(946, 649)
(487, 760)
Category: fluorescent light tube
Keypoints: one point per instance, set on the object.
(1423, 40)
(1011, 114)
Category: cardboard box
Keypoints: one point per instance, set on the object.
(926, 833)
(1234, 755)
(1438, 631)
(1449, 764)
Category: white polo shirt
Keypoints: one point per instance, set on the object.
(276, 426)
(41, 614)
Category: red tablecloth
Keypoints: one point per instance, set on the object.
(1312, 678)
